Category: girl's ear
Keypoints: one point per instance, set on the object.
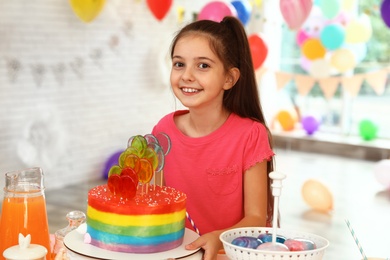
(232, 77)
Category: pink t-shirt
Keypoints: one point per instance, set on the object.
(210, 169)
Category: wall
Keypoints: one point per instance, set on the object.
(72, 93)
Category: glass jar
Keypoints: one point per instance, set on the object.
(75, 219)
(24, 209)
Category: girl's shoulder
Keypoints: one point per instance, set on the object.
(168, 121)
(243, 123)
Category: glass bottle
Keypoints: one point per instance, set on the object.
(75, 219)
(24, 209)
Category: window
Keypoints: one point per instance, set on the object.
(343, 112)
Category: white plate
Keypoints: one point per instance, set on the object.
(74, 241)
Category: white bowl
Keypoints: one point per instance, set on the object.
(241, 253)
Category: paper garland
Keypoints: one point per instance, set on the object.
(352, 84)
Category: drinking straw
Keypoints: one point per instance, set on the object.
(192, 223)
(356, 239)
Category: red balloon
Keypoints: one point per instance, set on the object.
(159, 8)
(259, 50)
(295, 12)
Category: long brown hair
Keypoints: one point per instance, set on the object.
(229, 42)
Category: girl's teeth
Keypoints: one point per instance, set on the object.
(190, 90)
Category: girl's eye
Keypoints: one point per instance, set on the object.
(178, 64)
(203, 66)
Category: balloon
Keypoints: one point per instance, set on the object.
(330, 8)
(216, 11)
(301, 37)
(359, 50)
(342, 18)
(382, 173)
(295, 12)
(317, 195)
(319, 68)
(385, 12)
(314, 23)
(112, 160)
(313, 49)
(348, 4)
(332, 36)
(286, 120)
(310, 124)
(159, 8)
(87, 10)
(258, 49)
(358, 30)
(343, 60)
(305, 63)
(243, 9)
(368, 129)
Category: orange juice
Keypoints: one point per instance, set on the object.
(26, 215)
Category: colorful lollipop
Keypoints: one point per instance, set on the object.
(137, 164)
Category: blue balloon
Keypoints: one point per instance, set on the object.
(243, 9)
(332, 36)
(358, 49)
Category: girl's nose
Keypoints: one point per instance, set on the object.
(187, 75)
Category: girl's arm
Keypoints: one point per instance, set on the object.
(255, 210)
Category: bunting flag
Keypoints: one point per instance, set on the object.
(352, 84)
(304, 84)
(282, 78)
(329, 86)
(377, 80)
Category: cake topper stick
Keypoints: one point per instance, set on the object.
(276, 186)
(161, 178)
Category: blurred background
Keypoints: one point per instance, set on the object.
(79, 78)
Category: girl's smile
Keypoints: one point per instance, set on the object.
(198, 76)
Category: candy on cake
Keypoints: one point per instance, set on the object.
(129, 213)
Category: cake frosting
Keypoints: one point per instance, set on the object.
(128, 214)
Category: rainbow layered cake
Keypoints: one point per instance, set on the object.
(149, 223)
(130, 214)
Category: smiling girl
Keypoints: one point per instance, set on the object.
(221, 153)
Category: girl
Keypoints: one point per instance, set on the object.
(220, 154)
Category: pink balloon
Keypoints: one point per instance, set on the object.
(216, 11)
(382, 172)
(305, 63)
(295, 12)
(301, 37)
(314, 23)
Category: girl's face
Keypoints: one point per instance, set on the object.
(198, 77)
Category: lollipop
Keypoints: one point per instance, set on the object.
(137, 164)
